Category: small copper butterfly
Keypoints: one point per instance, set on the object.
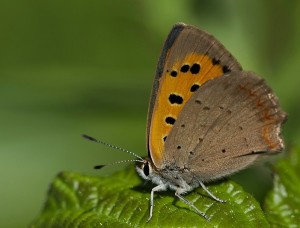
(207, 117)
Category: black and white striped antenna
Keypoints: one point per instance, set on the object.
(140, 159)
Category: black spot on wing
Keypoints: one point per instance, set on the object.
(195, 68)
(170, 120)
(194, 87)
(173, 73)
(175, 99)
(185, 68)
(215, 61)
(225, 69)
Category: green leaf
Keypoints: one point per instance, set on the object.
(122, 200)
(282, 205)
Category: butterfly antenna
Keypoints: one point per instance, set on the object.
(114, 163)
(114, 147)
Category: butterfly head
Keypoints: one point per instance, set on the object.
(146, 169)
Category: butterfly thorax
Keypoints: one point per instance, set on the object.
(171, 176)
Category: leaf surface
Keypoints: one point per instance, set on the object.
(122, 200)
(282, 205)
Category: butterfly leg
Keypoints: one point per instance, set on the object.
(158, 188)
(177, 193)
(211, 195)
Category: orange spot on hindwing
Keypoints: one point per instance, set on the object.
(266, 134)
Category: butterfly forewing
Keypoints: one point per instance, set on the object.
(189, 58)
(225, 126)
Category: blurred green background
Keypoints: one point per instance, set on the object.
(73, 67)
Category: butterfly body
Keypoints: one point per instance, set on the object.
(170, 177)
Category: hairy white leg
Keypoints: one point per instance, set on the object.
(211, 195)
(191, 205)
(158, 188)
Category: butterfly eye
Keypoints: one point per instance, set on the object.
(146, 169)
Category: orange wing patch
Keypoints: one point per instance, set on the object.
(177, 85)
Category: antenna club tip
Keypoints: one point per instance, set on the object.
(88, 137)
(99, 166)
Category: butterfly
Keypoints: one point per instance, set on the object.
(207, 117)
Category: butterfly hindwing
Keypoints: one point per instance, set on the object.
(233, 119)
(190, 57)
